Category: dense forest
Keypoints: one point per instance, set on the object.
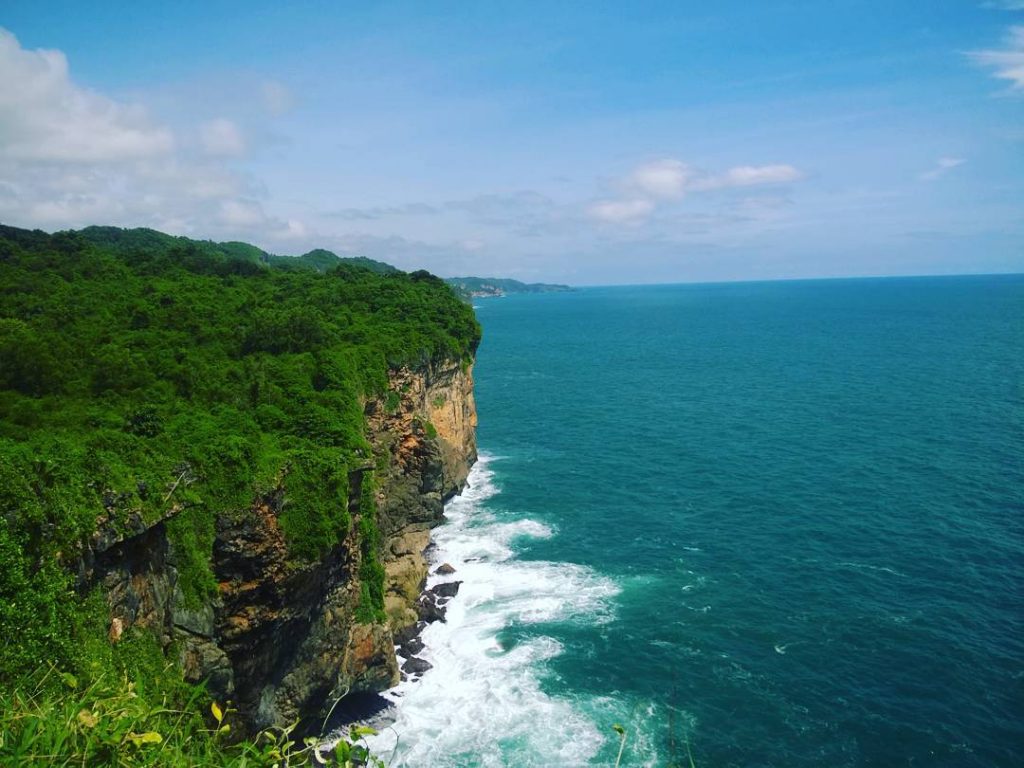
(140, 371)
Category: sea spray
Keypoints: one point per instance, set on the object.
(483, 701)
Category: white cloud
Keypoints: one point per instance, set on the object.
(660, 179)
(45, 117)
(621, 211)
(749, 176)
(660, 182)
(1007, 63)
(70, 156)
(221, 137)
(241, 213)
(294, 230)
(942, 166)
(1005, 5)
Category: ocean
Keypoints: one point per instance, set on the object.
(754, 524)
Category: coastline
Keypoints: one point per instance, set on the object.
(378, 709)
(480, 701)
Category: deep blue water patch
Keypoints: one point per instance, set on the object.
(810, 495)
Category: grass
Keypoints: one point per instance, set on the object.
(120, 723)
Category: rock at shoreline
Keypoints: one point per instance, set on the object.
(416, 666)
(413, 646)
(444, 570)
(430, 609)
(409, 633)
(446, 589)
(432, 605)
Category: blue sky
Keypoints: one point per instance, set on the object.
(581, 142)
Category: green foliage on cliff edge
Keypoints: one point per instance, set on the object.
(371, 569)
(143, 374)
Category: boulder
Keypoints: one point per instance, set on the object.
(411, 647)
(416, 666)
(446, 589)
(429, 608)
(408, 634)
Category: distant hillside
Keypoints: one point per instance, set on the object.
(150, 242)
(476, 287)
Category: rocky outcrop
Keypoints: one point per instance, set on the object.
(281, 640)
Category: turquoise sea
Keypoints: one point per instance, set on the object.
(779, 524)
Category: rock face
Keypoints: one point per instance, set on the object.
(428, 427)
(281, 640)
(289, 630)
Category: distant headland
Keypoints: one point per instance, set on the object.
(480, 287)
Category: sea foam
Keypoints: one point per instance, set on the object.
(483, 702)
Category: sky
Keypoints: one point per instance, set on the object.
(587, 143)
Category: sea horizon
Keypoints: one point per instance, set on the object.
(828, 278)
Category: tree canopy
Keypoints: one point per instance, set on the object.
(130, 359)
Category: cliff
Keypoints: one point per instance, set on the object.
(428, 433)
(219, 462)
(284, 641)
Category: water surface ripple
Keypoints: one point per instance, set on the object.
(783, 522)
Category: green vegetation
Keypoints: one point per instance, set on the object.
(622, 742)
(143, 374)
(150, 241)
(56, 720)
(371, 569)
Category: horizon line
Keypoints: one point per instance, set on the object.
(528, 281)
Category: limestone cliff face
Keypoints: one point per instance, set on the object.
(427, 425)
(281, 639)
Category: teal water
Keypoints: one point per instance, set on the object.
(782, 523)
